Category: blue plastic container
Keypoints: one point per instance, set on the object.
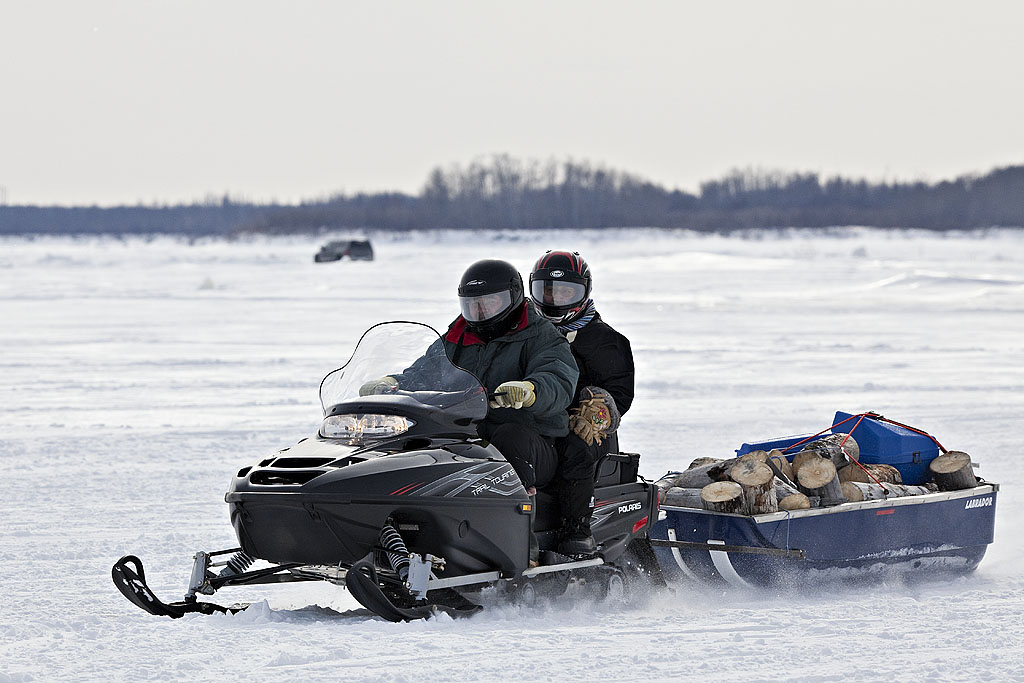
(781, 444)
(880, 443)
(889, 444)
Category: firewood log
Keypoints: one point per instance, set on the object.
(782, 489)
(953, 471)
(756, 456)
(795, 501)
(702, 475)
(887, 474)
(817, 477)
(833, 447)
(798, 461)
(722, 496)
(757, 481)
(857, 491)
(665, 483)
(683, 498)
(704, 460)
(850, 445)
(780, 460)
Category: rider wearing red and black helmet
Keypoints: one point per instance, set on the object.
(560, 286)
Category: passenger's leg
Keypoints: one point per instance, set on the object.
(577, 462)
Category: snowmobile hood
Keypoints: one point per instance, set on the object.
(317, 466)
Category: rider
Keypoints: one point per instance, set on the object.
(519, 357)
(560, 286)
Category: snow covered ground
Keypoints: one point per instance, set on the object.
(137, 375)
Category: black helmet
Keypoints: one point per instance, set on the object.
(560, 285)
(490, 292)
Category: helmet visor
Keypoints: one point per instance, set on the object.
(558, 293)
(476, 309)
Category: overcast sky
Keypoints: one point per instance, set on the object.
(119, 102)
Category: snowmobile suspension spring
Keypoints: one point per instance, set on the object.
(398, 554)
(238, 563)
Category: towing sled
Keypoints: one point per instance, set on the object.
(938, 531)
(398, 499)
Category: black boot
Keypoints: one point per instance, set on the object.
(576, 538)
(575, 499)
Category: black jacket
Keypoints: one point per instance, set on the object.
(605, 360)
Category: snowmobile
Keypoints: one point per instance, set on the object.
(398, 499)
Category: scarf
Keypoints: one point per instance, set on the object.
(589, 311)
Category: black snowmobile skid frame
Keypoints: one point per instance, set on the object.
(380, 591)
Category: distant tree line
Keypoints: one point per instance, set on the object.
(200, 219)
(505, 193)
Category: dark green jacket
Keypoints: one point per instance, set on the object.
(533, 351)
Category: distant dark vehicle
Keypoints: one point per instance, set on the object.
(357, 250)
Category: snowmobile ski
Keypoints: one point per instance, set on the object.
(130, 579)
(365, 588)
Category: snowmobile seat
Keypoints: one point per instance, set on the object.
(617, 468)
(613, 467)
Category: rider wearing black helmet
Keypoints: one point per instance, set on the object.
(519, 357)
(560, 286)
(522, 360)
(490, 293)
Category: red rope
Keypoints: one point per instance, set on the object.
(848, 435)
(860, 418)
(912, 429)
(880, 418)
(814, 436)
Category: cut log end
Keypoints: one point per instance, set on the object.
(816, 473)
(720, 491)
(953, 471)
(817, 478)
(756, 456)
(751, 473)
(795, 501)
(839, 448)
(722, 496)
(949, 462)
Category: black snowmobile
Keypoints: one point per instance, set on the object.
(399, 500)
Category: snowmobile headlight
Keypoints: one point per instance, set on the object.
(361, 427)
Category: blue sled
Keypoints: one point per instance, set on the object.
(923, 535)
(914, 537)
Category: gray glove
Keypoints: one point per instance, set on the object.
(384, 385)
(514, 395)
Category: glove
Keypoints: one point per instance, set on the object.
(384, 385)
(595, 417)
(514, 395)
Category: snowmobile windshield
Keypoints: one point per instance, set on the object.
(407, 360)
